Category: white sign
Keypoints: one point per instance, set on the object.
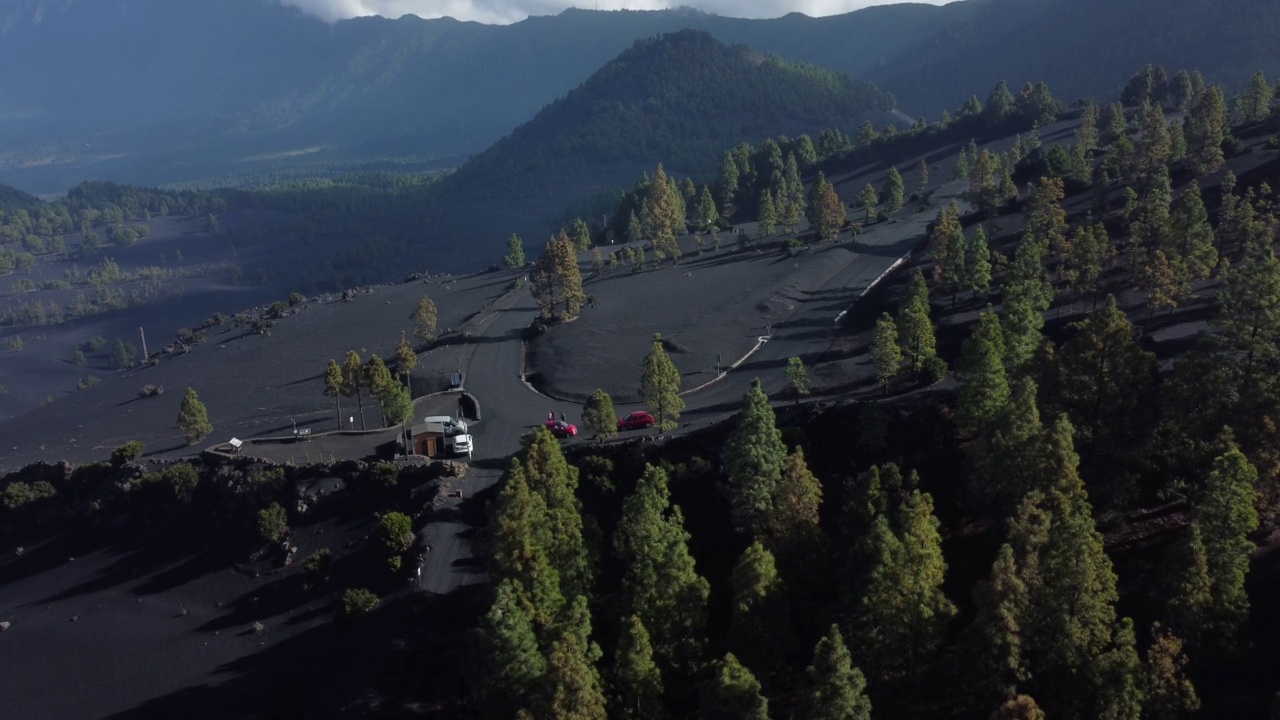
(236, 443)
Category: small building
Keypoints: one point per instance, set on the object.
(428, 439)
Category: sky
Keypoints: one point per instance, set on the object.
(509, 11)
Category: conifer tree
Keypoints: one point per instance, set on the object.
(1188, 589)
(984, 387)
(768, 215)
(406, 361)
(1177, 141)
(1010, 461)
(660, 585)
(353, 381)
(580, 235)
(1027, 294)
(826, 210)
(754, 457)
(866, 134)
(733, 693)
(1090, 248)
(515, 252)
(837, 689)
(551, 477)
(519, 548)
(893, 191)
(660, 386)
(797, 377)
(664, 214)
(1226, 516)
(334, 387)
(760, 631)
(915, 329)
(948, 250)
(869, 199)
(1022, 707)
(1000, 104)
(513, 664)
(1249, 315)
(565, 267)
(1181, 94)
(572, 680)
(1169, 694)
(635, 229)
(598, 415)
(795, 535)
(381, 385)
(1192, 234)
(922, 175)
(1106, 383)
(193, 418)
(977, 263)
(886, 353)
(424, 320)
(1155, 147)
(1206, 130)
(1256, 103)
(996, 635)
(706, 213)
(638, 683)
(727, 180)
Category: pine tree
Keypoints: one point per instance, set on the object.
(984, 182)
(424, 320)
(1249, 315)
(660, 386)
(977, 263)
(635, 229)
(663, 214)
(566, 269)
(797, 377)
(380, 383)
(795, 535)
(948, 250)
(922, 175)
(837, 688)
(984, 387)
(515, 252)
(1155, 147)
(1188, 589)
(1206, 131)
(1106, 384)
(1090, 248)
(193, 418)
(962, 165)
(1022, 707)
(869, 199)
(754, 457)
(767, 216)
(996, 636)
(893, 191)
(727, 180)
(551, 477)
(1226, 516)
(1256, 103)
(598, 415)
(760, 631)
(636, 677)
(572, 681)
(1192, 234)
(886, 353)
(1000, 104)
(1027, 294)
(514, 667)
(826, 210)
(518, 548)
(915, 329)
(334, 387)
(406, 361)
(1180, 91)
(733, 693)
(1009, 461)
(707, 214)
(660, 584)
(1169, 693)
(866, 135)
(353, 381)
(581, 235)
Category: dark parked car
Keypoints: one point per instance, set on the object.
(636, 421)
(562, 429)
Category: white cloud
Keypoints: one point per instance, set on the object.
(508, 11)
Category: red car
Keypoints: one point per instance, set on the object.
(562, 429)
(637, 420)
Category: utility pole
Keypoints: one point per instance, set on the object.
(145, 355)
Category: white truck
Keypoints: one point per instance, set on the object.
(456, 440)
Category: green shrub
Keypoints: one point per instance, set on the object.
(318, 563)
(19, 494)
(394, 562)
(397, 531)
(296, 299)
(127, 452)
(356, 603)
(385, 475)
(933, 370)
(183, 480)
(273, 523)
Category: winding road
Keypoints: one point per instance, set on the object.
(511, 408)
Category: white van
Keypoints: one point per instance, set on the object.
(449, 425)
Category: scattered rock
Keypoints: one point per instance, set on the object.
(19, 551)
(4, 626)
(75, 618)
(258, 627)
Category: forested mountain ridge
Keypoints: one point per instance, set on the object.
(679, 99)
(238, 91)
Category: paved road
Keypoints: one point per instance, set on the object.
(510, 408)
